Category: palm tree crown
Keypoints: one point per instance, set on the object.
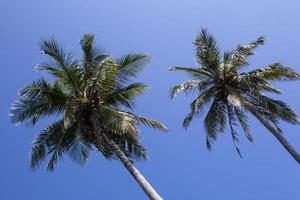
(96, 87)
(230, 93)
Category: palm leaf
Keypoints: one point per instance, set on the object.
(215, 120)
(150, 122)
(274, 72)
(54, 141)
(240, 55)
(199, 73)
(279, 109)
(189, 86)
(124, 96)
(79, 150)
(232, 122)
(91, 56)
(208, 54)
(37, 100)
(242, 118)
(116, 121)
(198, 104)
(131, 146)
(63, 62)
(130, 65)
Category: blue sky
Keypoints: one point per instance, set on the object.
(179, 167)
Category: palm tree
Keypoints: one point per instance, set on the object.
(230, 93)
(93, 96)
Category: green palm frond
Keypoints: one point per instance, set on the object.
(274, 72)
(38, 152)
(79, 150)
(71, 112)
(241, 53)
(199, 73)
(91, 55)
(37, 100)
(278, 109)
(130, 65)
(255, 84)
(215, 120)
(150, 122)
(116, 121)
(131, 146)
(61, 61)
(208, 53)
(243, 120)
(198, 104)
(58, 143)
(55, 141)
(232, 123)
(87, 43)
(104, 80)
(125, 95)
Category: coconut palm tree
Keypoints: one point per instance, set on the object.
(229, 93)
(93, 98)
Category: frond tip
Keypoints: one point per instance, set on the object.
(186, 86)
(152, 123)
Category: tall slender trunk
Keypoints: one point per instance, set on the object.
(276, 133)
(145, 185)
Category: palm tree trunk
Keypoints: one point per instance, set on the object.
(276, 133)
(145, 185)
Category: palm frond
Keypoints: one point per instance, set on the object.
(91, 55)
(87, 43)
(58, 143)
(243, 120)
(128, 142)
(215, 120)
(152, 123)
(130, 65)
(274, 72)
(54, 141)
(104, 81)
(62, 64)
(37, 100)
(79, 150)
(131, 146)
(71, 112)
(199, 73)
(38, 152)
(256, 108)
(241, 53)
(189, 86)
(113, 120)
(232, 123)
(198, 104)
(278, 109)
(254, 84)
(124, 96)
(208, 53)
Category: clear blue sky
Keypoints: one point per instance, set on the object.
(179, 167)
